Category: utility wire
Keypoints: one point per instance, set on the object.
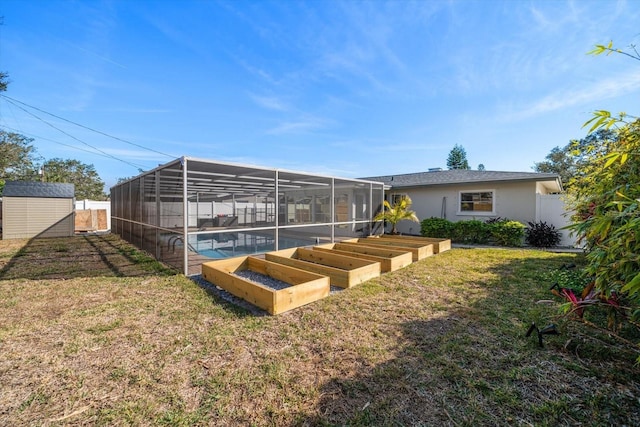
(9, 99)
(69, 135)
(42, 138)
(50, 140)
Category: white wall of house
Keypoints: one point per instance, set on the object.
(512, 200)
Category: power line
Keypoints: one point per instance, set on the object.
(69, 135)
(42, 138)
(86, 127)
(56, 142)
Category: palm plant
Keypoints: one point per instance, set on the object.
(397, 212)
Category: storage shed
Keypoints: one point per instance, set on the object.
(37, 209)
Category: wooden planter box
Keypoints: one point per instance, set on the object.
(305, 286)
(389, 259)
(344, 271)
(439, 245)
(418, 250)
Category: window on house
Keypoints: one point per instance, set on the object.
(477, 201)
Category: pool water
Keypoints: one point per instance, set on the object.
(226, 245)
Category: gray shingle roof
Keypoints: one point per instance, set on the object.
(52, 190)
(459, 176)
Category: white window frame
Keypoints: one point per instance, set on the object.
(492, 212)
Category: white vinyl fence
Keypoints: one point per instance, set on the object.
(551, 209)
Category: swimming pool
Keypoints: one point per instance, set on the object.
(226, 245)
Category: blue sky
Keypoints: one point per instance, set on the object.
(345, 88)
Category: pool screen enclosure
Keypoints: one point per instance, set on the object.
(189, 211)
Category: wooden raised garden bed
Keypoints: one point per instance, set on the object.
(305, 286)
(389, 259)
(418, 250)
(439, 245)
(344, 271)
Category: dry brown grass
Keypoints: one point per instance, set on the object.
(80, 256)
(104, 341)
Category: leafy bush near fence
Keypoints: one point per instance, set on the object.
(498, 231)
(508, 233)
(542, 235)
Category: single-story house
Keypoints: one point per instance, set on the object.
(470, 194)
(37, 209)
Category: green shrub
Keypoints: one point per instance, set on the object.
(501, 232)
(471, 231)
(495, 219)
(507, 233)
(436, 227)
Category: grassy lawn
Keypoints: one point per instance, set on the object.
(93, 332)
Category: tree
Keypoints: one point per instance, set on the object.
(606, 198)
(127, 178)
(86, 180)
(4, 81)
(17, 161)
(17, 155)
(4, 77)
(569, 161)
(396, 213)
(457, 158)
(559, 161)
(481, 167)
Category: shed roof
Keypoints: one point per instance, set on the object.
(52, 190)
(461, 176)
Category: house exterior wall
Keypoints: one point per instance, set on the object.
(512, 200)
(26, 217)
(541, 188)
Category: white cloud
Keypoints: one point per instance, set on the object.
(270, 102)
(303, 125)
(605, 89)
(97, 55)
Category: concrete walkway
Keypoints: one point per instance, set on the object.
(556, 249)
